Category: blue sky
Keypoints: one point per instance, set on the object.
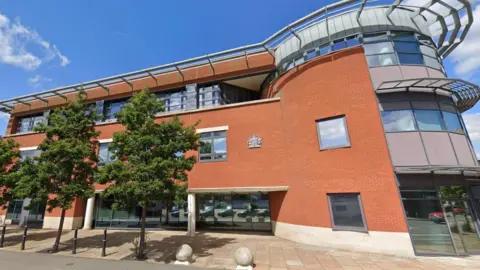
(46, 44)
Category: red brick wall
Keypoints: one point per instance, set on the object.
(290, 156)
(330, 86)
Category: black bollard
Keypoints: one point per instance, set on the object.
(75, 237)
(24, 238)
(3, 235)
(104, 247)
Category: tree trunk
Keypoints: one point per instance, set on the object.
(141, 248)
(59, 232)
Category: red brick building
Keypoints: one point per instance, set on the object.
(342, 129)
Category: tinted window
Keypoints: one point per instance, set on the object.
(339, 44)
(407, 47)
(213, 146)
(332, 133)
(311, 54)
(325, 49)
(452, 122)
(412, 59)
(113, 107)
(352, 41)
(104, 155)
(380, 47)
(382, 60)
(398, 120)
(27, 124)
(346, 212)
(429, 120)
(404, 37)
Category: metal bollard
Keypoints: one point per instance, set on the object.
(24, 238)
(75, 237)
(3, 235)
(104, 247)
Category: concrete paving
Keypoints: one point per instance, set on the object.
(216, 250)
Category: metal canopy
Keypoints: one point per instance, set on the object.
(467, 94)
(450, 14)
(455, 36)
(445, 170)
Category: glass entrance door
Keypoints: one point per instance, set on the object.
(461, 219)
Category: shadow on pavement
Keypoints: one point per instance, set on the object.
(40, 236)
(164, 250)
(114, 239)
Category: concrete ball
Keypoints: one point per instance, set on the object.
(244, 257)
(184, 253)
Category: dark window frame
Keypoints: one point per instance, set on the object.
(319, 137)
(31, 123)
(363, 229)
(212, 153)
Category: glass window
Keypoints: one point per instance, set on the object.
(377, 48)
(311, 54)
(346, 212)
(375, 37)
(382, 60)
(432, 62)
(325, 49)
(452, 122)
(404, 36)
(104, 155)
(213, 146)
(410, 59)
(401, 120)
(339, 44)
(407, 47)
(429, 120)
(299, 60)
(113, 107)
(332, 133)
(29, 153)
(28, 123)
(352, 41)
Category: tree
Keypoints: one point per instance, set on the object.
(9, 155)
(65, 168)
(149, 165)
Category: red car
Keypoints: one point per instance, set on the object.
(438, 217)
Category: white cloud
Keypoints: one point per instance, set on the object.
(14, 39)
(37, 81)
(4, 117)
(472, 121)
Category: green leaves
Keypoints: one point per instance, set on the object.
(148, 166)
(8, 156)
(65, 168)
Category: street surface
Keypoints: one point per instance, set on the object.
(25, 261)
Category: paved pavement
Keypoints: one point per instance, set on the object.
(215, 250)
(19, 261)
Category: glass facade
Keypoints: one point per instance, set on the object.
(399, 116)
(234, 211)
(213, 146)
(442, 218)
(218, 211)
(18, 215)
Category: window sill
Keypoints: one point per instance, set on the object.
(335, 147)
(350, 229)
(21, 134)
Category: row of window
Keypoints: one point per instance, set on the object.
(424, 120)
(384, 49)
(189, 98)
(381, 49)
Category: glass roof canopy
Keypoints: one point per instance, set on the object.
(443, 17)
(465, 94)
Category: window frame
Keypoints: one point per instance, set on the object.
(31, 122)
(107, 108)
(101, 164)
(212, 153)
(363, 229)
(319, 137)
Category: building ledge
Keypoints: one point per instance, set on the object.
(238, 189)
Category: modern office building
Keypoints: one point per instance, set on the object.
(342, 129)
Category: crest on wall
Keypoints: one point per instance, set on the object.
(254, 141)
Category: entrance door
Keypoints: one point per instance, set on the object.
(461, 218)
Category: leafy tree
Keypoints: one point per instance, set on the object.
(148, 166)
(9, 155)
(65, 168)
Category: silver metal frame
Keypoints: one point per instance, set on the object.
(268, 45)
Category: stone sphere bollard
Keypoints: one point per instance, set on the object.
(184, 255)
(244, 258)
